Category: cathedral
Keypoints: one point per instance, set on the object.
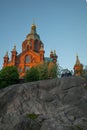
(32, 54)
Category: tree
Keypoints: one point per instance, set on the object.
(8, 75)
(52, 70)
(85, 72)
(32, 74)
(43, 71)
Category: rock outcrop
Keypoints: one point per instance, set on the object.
(58, 104)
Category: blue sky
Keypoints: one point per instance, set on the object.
(61, 24)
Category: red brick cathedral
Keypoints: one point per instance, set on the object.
(32, 53)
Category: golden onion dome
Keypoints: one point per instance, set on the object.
(33, 26)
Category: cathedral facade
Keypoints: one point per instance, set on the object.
(32, 53)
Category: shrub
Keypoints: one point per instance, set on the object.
(8, 75)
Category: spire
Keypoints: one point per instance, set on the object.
(78, 67)
(33, 29)
(54, 52)
(14, 49)
(6, 55)
(77, 60)
(51, 52)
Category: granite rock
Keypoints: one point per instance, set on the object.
(60, 104)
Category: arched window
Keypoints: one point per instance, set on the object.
(27, 59)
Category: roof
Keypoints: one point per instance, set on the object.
(77, 62)
(48, 59)
(65, 71)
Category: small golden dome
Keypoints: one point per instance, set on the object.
(33, 26)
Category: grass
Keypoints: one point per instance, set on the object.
(32, 116)
(85, 86)
(79, 128)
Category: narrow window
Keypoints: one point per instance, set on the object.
(36, 45)
(27, 59)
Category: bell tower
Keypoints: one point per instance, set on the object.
(53, 56)
(14, 54)
(6, 60)
(42, 53)
(78, 67)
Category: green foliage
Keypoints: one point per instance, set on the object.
(85, 86)
(32, 116)
(52, 71)
(31, 128)
(79, 128)
(85, 72)
(43, 71)
(8, 75)
(32, 74)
